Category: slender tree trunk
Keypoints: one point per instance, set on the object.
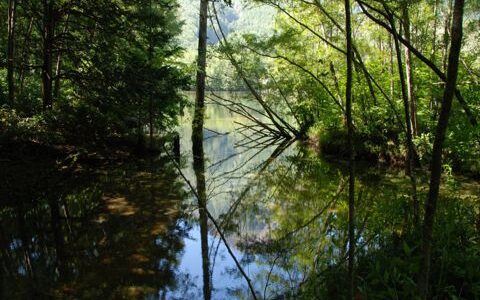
(446, 34)
(356, 53)
(2, 96)
(197, 142)
(58, 65)
(207, 289)
(436, 164)
(57, 230)
(446, 43)
(150, 60)
(434, 35)
(150, 121)
(470, 115)
(351, 168)
(433, 100)
(337, 85)
(24, 59)
(392, 79)
(12, 12)
(409, 72)
(140, 134)
(201, 63)
(410, 161)
(48, 35)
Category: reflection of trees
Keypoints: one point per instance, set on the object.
(225, 168)
(117, 238)
(286, 214)
(297, 216)
(286, 211)
(273, 218)
(246, 167)
(199, 169)
(200, 193)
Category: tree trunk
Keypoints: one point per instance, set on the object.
(48, 35)
(337, 85)
(150, 61)
(410, 161)
(197, 142)
(433, 100)
(436, 163)
(2, 96)
(58, 65)
(392, 79)
(24, 58)
(201, 63)
(56, 228)
(199, 169)
(470, 115)
(140, 148)
(409, 72)
(12, 9)
(446, 34)
(351, 167)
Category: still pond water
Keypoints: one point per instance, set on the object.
(134, 231)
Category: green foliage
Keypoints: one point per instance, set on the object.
(115, 70)
(302, 200)
(304, 54)
(237, 19)
(15, 127)
(388, 256)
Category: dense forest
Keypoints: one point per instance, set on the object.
(240, 149)
(81, 71)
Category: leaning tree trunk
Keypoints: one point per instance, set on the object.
(351, 170)
(410, 147)
(436, 163)
(12, 9)
(470, 115)
(409, 72)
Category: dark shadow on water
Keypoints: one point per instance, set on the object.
(115, 232)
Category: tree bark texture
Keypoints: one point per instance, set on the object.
(436, 163)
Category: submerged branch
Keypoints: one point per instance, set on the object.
(214, 222)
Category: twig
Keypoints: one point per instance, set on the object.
(214, 222)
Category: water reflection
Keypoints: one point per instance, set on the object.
(201, 195)
(116, 235)
(225, 174)
(135, 231)
(284, 209)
